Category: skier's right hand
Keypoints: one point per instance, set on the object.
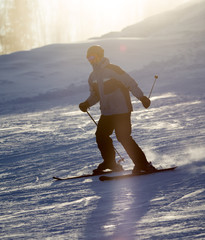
(84, 106)
(145, 101)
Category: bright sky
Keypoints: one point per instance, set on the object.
(91, 18)
(83, 19)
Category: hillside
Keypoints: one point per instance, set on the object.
(48, 135)
(186, 20)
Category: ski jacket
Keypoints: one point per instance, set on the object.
(110, 86)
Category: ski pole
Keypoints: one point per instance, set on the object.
(121, 158)
(156, 76)
(92, 118)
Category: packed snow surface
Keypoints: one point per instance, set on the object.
(44, 134)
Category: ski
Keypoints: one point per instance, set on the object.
(85, 175)
(108, 178)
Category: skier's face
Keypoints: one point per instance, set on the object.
(93, 59)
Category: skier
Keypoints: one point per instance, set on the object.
(110, 86)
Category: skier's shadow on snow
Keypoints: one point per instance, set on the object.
(120, 207)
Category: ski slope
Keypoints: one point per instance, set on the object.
(60, 141)
(43, 133)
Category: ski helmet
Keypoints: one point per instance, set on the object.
(95, 50)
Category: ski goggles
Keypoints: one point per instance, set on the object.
(90, 58)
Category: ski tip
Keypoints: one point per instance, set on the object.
(56, 178)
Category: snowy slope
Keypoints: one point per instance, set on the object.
(59, 72)
(60, 141)
(43, 133)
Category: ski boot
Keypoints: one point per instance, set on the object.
(149, 168)
(115, 167)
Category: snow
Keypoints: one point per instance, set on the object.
(43, 133)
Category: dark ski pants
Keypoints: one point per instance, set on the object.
(121, 123)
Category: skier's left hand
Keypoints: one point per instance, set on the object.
(145, 101)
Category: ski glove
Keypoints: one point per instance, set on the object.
(145, 101)
(84, 106)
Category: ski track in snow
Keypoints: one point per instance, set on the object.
(61, 141)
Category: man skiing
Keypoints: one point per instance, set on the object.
(110, 86)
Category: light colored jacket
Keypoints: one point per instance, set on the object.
(110, 85)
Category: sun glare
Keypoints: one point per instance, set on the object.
(92, 17)
(82, 19)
